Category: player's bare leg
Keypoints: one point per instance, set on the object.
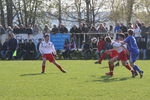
(111, 66)
(58, 66)
(108, 52)
(124, 63)
(43, 66)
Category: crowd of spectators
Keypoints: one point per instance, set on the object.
(27, 50)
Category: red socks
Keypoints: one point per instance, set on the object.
(43, 69)
(102, 57)
(128, 67)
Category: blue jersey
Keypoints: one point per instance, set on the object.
(132, 44)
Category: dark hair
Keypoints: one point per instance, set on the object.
(122, 35)
(126, 35)
(130, 32)
(46, 36)
(108, 39)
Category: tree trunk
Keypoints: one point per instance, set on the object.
(87, 11)
(60, 11)
(2, 13)
(130, 4)
(25, 13)
(9, 12)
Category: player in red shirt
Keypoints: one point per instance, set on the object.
(100, 45)
(122, 56)
(111, 52)
(48, 52)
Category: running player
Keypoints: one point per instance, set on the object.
(48, 52)
(134, 51)
(122, 56)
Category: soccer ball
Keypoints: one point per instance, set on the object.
(94, 40)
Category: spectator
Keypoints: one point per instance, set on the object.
(148, 29)
(25, 47)
(2, 30)
(16, 30)
(74, 29)
(93, 30)
(46, 30)
(148, 49)
(1, 48)
(66, 53)
(123, 28)
(29, 30)
(143, 30)
(12, 45)
(4, 49)
(22, 29)
(111, 31)
(54, 29)
(86, 50)
(38, 52)
(101, 28)
(137, 32)
(117, 28)
(63, 29)
(9, 30)
(20, 51)
(85, 28)
(31, 50)
(105, 26)
(142, 47)
(130, 26)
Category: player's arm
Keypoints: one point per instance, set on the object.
(54, 50)
(40, 49)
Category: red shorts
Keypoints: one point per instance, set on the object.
(123, 56)
(49, 57)
(114, 53)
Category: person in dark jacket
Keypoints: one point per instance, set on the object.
(31, 50)
(12, 45)
(4, 49)
(54, 29)
(20, 51)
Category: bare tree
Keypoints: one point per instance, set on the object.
(2, 13)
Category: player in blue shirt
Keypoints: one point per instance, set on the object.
(134, 51)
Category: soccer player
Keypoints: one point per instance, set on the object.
(122, 56)
(111, 52)
(134, 51)
(48, 52)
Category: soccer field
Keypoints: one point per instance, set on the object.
(84, 80)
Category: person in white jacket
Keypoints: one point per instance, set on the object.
(48, 52)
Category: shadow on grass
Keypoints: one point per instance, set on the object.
(111, 79)
(32, 74)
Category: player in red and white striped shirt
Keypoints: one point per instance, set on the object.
(48, 52)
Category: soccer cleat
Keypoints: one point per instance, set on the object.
(141, 74)
(42, 72)
(133, 73)
(136, 74)
(117, 64)
(109, 74)
(64, 71)
(97, 62)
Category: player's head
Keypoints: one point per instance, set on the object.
(121, 37)
(46, 37)
(108, 39)
(130, 32)
(126, 35)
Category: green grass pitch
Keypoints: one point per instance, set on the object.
(84, 80)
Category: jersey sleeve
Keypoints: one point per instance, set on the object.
(127, 40)
(53, 49)
(40, 48)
